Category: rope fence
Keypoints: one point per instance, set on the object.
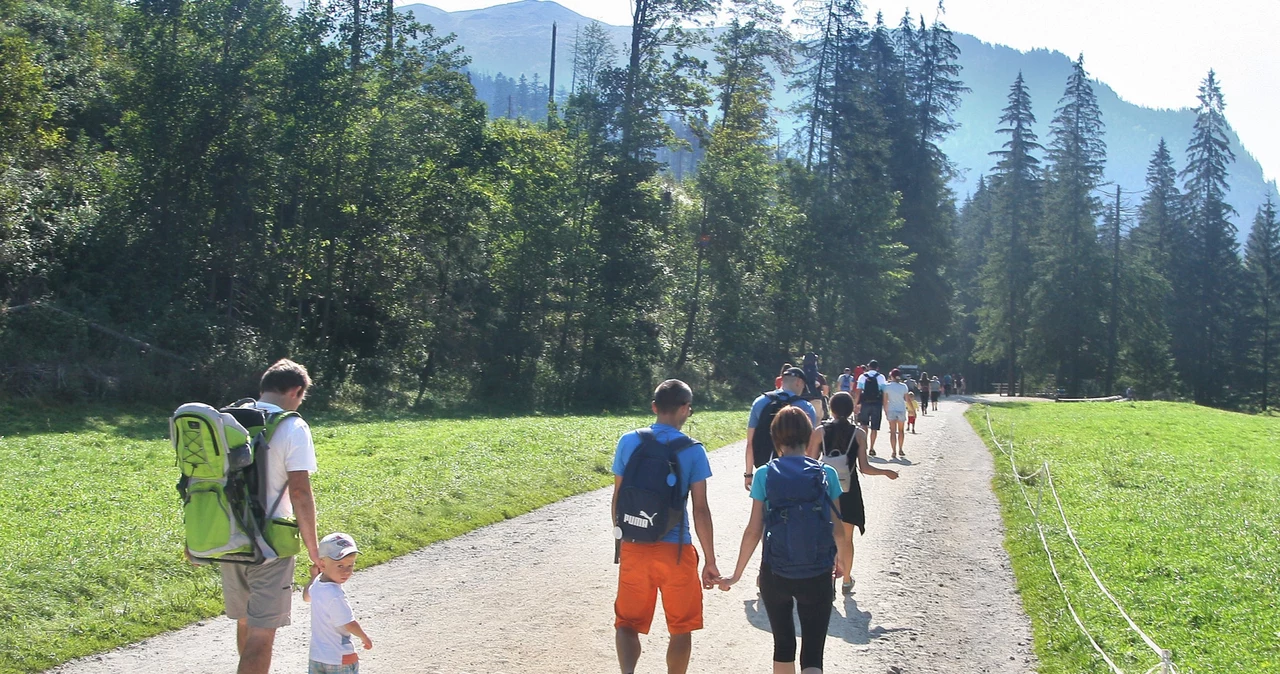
(1165, 665)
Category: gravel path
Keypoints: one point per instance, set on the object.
(534, 594)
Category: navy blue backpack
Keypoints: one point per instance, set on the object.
(650, 501)
(798, 538)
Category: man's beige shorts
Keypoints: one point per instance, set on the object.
(262, 594)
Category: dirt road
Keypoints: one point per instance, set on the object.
(534, 594)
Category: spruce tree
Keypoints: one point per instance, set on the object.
(1212, 261)
(1008, 272)
(1262, 270)
(930, 72)
(1068, 293)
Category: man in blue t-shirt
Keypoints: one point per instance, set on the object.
(793, 385)
(669, 566)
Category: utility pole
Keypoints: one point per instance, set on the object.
(389, 47)
(551, 86)
(1113, 333)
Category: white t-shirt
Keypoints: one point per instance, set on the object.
(862, 382)
(895, 396)
(291, 449)
(329, 613)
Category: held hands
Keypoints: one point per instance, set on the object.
(726, 583)
(710, 575)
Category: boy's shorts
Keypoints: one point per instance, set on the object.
(911, 419)
(314, 667)
(643, 571)
(261, 594)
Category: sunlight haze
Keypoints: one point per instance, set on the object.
(1152, 52)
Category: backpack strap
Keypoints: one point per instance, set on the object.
(273, 422)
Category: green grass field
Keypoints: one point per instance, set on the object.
(1178, 510)
(89, 527)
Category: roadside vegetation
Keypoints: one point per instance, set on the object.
(1175, 506)
(91, 531)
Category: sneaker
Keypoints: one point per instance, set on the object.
(847, 588)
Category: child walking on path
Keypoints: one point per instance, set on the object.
(655, 552)
(841, 445)
(332, 621)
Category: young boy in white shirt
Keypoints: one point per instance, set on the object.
(332, 621)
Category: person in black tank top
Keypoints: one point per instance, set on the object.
(842, 445)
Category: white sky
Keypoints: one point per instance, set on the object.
(1152, 52)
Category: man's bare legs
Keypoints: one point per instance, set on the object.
(871, 439)
(254, 645)
(628, 644)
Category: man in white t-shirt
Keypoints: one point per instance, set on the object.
(259, 597)
(895, 411)
(869, 402)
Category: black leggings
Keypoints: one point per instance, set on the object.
(812, 599)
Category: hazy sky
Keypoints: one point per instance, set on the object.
(1152, 52)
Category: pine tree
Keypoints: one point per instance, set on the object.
(1262, 271)
(1068, 293)
(1212, 259)
(1008, 273)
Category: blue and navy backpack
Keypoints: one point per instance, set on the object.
(798, 541)
(650, 501)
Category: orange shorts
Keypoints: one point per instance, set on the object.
(643, 571)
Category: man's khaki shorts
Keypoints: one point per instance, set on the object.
(262, 594)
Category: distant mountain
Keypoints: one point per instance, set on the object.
(515, 38)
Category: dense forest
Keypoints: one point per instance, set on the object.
(191, 189)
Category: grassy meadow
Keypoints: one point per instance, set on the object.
(1178, 510)
(91, 524)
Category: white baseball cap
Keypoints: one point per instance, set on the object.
(337, 546)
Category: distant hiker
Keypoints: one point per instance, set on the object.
(777, 383)
(895, 411)
(657, 470)
(912, 407)
(946, 384)
(935, 392)
(924, 393)
(259, 596)
(845, 381)
(841, 445)
(813, 387)
(333, 623)
(963, 390)
(869, 401)
(793, 510)
(759, 441)
(1128, 393)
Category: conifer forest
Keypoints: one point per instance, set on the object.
(191, 189)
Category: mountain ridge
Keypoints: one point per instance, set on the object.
(515, 38)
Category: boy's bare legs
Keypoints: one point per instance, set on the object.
(678, 652)
(254, 645)
(627, 641)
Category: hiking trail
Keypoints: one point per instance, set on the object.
(935, 592)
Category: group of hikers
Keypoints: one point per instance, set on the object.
(801, 473)
(248, 467)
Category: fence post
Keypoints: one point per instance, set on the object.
(1166, 661)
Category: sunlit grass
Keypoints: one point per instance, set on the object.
(1176, 507)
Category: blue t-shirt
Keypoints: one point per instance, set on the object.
(757, 407)
(694, 468)
(762, 473)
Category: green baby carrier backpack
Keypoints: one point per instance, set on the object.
(222, 455)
